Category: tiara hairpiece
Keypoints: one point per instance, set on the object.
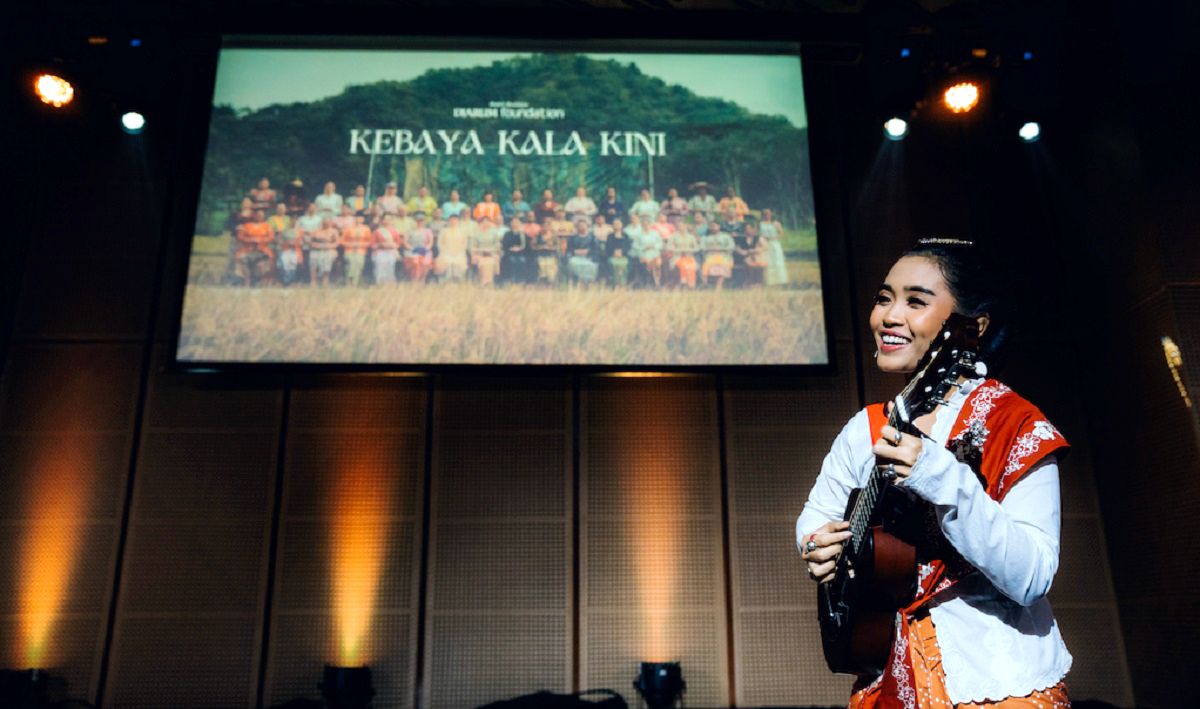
(945, 242)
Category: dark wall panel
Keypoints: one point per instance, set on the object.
(188, 624)
(498, 614)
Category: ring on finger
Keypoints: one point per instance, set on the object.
(810, 546)
(898, 437)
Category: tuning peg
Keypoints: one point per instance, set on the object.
(981, 368)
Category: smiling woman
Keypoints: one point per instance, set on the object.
(974, 624)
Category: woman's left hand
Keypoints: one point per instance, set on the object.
(901, 453)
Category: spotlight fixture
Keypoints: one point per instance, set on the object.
(961, 97)
(660, 684)
(1030, 132)
(53, 90)
(24, 688)
(346, 687)
(133, 122)
(895, 128)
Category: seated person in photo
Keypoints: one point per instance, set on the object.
(484, 247)
(546, 208)
(451, 263)
(454, 207)
(287, 244)
(748, 255)
(322, 252)
(618, 268)
(581, 254)
(422, 202)
(359, 203)
(646, 207)
(345, 219)
(700, 228)
(437, 221)
(329, 202)
(385, 251)
(516, 207)
(545, 246)
(718, 249)
(389, 202)
(601, 231)
(563, 229)
(674, 207)
(649, 245)
(684, 246)
(294, 197)
(611, 207)
(702, 204)
(307, 225)
(514, 261)
(487, 209)
(263, 197)
(355, 243)
(729, 223)
(254, 260)
(580, 206)
(731, 200)
(418, 251)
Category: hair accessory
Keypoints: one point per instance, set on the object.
(939, 241)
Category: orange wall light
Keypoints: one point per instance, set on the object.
(360, 540)
(58, 487)
(651, 484)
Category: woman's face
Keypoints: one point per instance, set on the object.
(910, 307)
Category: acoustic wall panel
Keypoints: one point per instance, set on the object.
(498, 610)
(189, 617)
(349, 552)
(66, 416)
(778, 431)
(652, 554)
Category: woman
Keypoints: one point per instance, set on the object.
(771, 232)
(979, 629)
(484, 247)
(514, 262)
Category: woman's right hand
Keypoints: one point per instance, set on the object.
(822, 560)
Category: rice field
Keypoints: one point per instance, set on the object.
(406, 323)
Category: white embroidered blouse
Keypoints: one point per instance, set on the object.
(995, 628)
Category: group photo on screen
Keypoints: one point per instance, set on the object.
(404, 207)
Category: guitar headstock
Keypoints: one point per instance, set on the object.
(952, 354)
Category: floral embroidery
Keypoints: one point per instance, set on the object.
(924, 571)
(904, 690)
(975, 430)
(1025, 446)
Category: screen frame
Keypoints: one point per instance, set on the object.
(714, 33)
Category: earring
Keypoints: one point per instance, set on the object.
(876, 355)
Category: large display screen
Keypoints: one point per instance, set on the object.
(410, 206)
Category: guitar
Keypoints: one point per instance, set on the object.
(875, 574)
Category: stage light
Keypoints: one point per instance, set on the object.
(133, 122)
(1030, 132)
(24, 688)
(1175, 363)
(905, 52)
(660, 684)
(346, 687)
(895, 128)
(961, 97)
(53, 90)
(1027, 56)
(135, 42)
(97, 40)
(979, 53)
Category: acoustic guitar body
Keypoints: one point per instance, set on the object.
(857, 609)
